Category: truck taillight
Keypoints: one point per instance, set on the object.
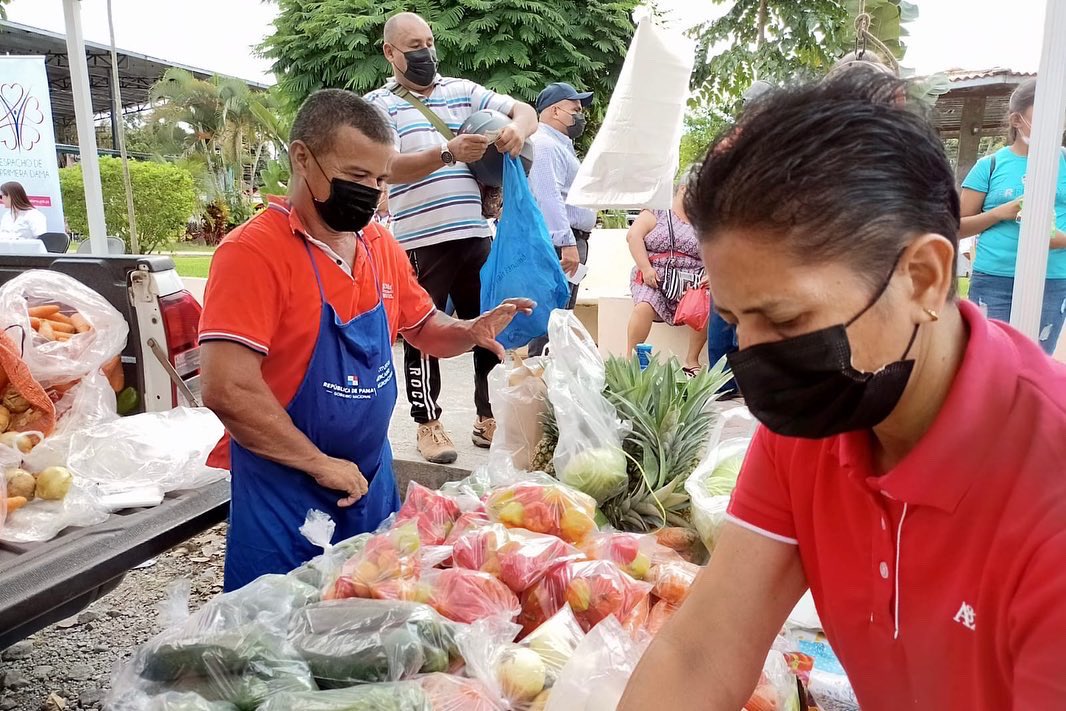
(181, 321)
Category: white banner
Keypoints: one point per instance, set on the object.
(27, 136)
(634, 156)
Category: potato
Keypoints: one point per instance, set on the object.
(24, 421)
(54, 483)
(14, 401)
(20, 441)
(5, 418)
(20, 483)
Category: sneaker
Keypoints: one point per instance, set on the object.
(484, 430)
(435, 445)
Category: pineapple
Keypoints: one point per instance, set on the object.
(543, 459)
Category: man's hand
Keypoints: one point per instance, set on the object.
(510, 140)
(468, 148)
(1008, 210)
(485, 328)
(341, 475)
(570, 260)
(650, 277)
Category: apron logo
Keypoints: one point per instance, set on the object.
(353, 381)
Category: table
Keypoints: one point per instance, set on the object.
(22, 246)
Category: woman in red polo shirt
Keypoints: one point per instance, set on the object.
(301, 309)
(909, 469)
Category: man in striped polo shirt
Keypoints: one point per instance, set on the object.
(436, 207)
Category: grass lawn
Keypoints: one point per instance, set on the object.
(964, 287)
(185, 247)
(192, 266)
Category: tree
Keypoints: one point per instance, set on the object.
(782, 40)
(512, 46)
(163, 196)
(702, 126)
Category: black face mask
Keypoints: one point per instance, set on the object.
(350, 205)
(575, 129)
(807, 387)
(421, 66)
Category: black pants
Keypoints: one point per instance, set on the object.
(536, 346)
(451, 269)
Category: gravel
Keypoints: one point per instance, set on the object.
(68, 665)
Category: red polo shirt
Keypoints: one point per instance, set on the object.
(941, 584)
(262, 293)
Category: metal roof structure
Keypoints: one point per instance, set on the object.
(137, 72)
(994, 86)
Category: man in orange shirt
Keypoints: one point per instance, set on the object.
(302, 307)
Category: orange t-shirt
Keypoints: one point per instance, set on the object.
(262, 293)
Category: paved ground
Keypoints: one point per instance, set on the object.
(457, 379)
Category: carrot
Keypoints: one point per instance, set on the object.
(14, 503)
(35, 323)
(81, 325)
(59, 327)
(47, 332)
(61, 319)
(115, 375)
(44, 311)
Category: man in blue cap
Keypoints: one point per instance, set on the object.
(561, 108)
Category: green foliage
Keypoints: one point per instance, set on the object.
(163, 197)
(782, 40)
(702, 126)
(512, 46)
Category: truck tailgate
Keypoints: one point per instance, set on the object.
(42, 583)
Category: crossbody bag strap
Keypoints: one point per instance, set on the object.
(436, 121)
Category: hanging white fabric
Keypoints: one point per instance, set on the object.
(634, 157)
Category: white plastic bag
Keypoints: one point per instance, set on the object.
(57, 362)
(596, 676)
(89, 403)
(589, 454)
(41, 520)
(709, 492)
(519, 400)
(165, 450)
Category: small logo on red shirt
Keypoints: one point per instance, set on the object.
(386, 290)
(967, 616)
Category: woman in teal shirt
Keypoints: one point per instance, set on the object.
(991, 204)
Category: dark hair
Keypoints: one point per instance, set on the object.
(17, 193)
(834, 171)
(1020, 100)
(327, 110)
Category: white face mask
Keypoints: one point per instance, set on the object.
(1026, 139)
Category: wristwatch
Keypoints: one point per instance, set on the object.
(446, 156)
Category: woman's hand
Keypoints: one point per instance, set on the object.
(1008, 210)
(650, 277)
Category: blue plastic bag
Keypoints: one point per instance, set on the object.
(523, 262)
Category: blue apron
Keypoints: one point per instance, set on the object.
(344, 406)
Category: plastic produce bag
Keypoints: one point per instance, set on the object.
(519, 401)
(388, 567)
(89, 403)
(62, 361)
(594, 589)
(597, 673)
(589, 454)
(348, 642)
(522, 262)
(516, 556)
(164, 450)
(434, 513)
(634, 553)
(672, 580)
(469, 595)
(556, 640)
(452, 693)
(41, 520)
(137, 700)
(232, 650)
(777, 689)
(544, 507)
(512, 672)
(403, 696)
(712, 482)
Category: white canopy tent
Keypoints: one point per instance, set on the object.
(1041, 175)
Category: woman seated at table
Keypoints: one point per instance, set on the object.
(21, 220)
(661, 242)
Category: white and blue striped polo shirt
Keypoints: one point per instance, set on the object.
(445, 205)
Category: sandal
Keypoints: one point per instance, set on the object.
(693, 371)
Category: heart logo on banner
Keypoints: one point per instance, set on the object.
(20, 117)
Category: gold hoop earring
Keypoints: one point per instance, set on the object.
(933, 315)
